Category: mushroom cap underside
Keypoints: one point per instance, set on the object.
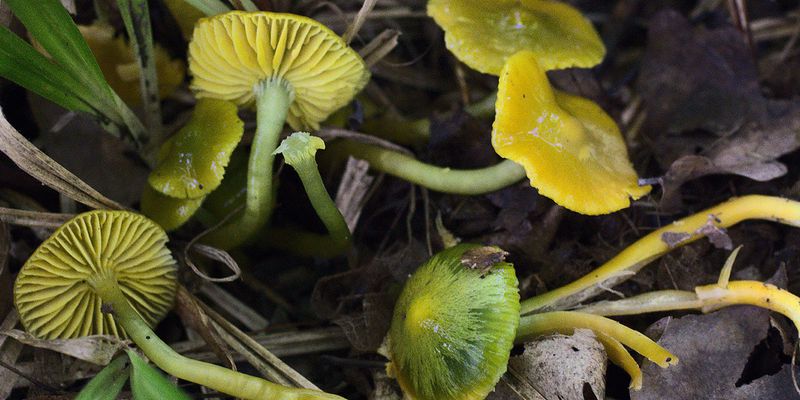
(230, 53)
(54, 292)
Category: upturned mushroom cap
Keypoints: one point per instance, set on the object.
(484, 34)
(299, 146)
(454, 326)
(572, 151)
(230, 53)
(54, 291)
(191, 164)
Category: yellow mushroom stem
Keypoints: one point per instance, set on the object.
(760, 294)
(652, 246)
(610, 333)
(656, 301)
(619, 356)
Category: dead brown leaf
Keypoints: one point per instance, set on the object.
(714, 350)
(95, 349)
(705, 110)
(556, 367)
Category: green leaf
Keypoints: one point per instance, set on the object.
(27, 67)
(50, 24)
(147, 383)
(108, 383)
(53, 28)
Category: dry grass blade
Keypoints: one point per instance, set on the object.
(70, 6)
(192, 315)
(5, 15)
(281, 344)
(234, 307)
(261, 358)
(333, 133)
(379, 47)
(34, 219)
(47, 171)
(9, 351)
(355, 26)
(353, 189)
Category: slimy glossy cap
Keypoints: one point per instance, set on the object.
(453, 327)
(572, 151)
(484, 34)
(54, 291)
(192, 162)
(230, 53)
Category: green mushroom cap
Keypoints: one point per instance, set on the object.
(454, 325)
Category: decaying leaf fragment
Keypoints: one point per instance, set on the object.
(714, 350)
(556, 367)
(705, 109)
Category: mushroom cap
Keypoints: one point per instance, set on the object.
(572, 151)
(484, 34)
(54, 292)
(299, 146)
(168, 212)
(192, 162)
(118, 64)
(230, 53)
(453, 327)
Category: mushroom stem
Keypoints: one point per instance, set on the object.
(656, 301)
(760, 294)
(655, 244)
(441, 179)
(273, 98)
(620, 356)
(567, 321)
(209, 375)
(299, 152)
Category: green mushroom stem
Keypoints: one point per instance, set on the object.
(212, 376)
(659, 242)
(440, 179)
(299, 151)
(273, 98)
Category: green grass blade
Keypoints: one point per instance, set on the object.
(53, 28)
(108, 383)
(147, 383)
(21, 63)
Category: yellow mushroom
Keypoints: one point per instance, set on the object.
(484, 34)
(571, 149)
(191, 164)
(110, 272)
(118, 64)
(291, 68)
